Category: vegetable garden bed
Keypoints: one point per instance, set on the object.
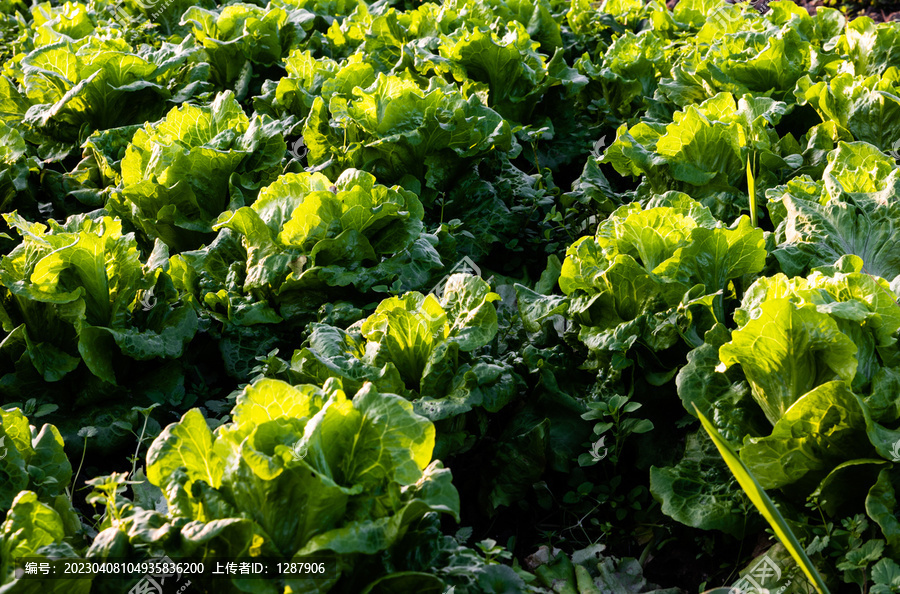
(473, 296)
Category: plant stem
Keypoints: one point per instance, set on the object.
(138, 449)
(77, 472)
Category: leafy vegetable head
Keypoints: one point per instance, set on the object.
(421, 347)
(71, 292)
(643, 261)
(36, 530)
(309, 470)
(31, 460)
(703, 151)
(854, 210)
(239, 35)
(396, 128)
(418, 335)
(305, 238)
(796, 334)
(178, 175)
(72, 88)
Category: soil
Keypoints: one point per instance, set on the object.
(877, 11)
(880, 12)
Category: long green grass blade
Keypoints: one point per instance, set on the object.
(751, 191)
(764, 504)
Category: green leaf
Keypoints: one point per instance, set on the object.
(886, 575)
(405, 331)
(333, 352)
(34, 529)
(534, 307)
(820, 430)
(787, 351)
(187, 444)
(375, 438)
(882, 505)
(405, 130)
(50, 464)
(715, 256)
(764, 505)
(699, 491)
(270, 399)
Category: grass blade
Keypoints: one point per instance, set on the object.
(751, 191)
(764, 504)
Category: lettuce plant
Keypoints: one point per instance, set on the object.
(422, 348)
(867, 107)
(516, 75)
(308, 77)
(239, 35)
(68, 89)
(35, 530)
(703, 151)
(394, 129)
(854, 209)
(304, 238)
(298, 472)
(40, 521)
(820, 355)
(536, 15)
(67, 22)
(796, 334)
(646, 264)
(73, 294)
(181, 173)
(619, 84)
(32, 460)
(16, 166)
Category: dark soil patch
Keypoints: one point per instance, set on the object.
(876, 10)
